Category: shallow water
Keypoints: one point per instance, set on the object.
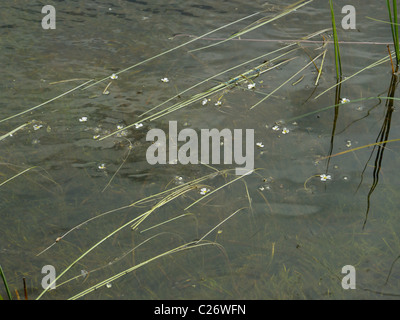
(278, 233)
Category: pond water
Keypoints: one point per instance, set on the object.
(281, 232)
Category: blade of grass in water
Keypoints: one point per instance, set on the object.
(394, 28)
(306, 66)
(338, 63)
(372, 65)
(172, 49)
(202, 95)
(13, 177)
(183, 247)
(136, 222)
(336, 105)
(259, 23)
(46, 102)
(5, 283)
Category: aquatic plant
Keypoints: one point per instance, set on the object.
(338, 63)
(394, 28)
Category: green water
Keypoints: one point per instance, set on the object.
(293, 232)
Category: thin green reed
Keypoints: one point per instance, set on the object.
(395, 29)
(3, 276)
(336, 44)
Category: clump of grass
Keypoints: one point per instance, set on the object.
(161, 199)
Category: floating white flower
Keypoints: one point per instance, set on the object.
(37, 126)
(120, 126)
(204, 102)
(218, 103)
(275, 128)
(285, 130)
(345, 100)
(251, 86)
(260, 145)
(325, 177)
(114, 76)
(203, 191)
(96, 136)
(83, 119)
(165, 79)
(102, 166)
(138, 125)
(178, 180)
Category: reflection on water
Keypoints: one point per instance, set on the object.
(324, 195)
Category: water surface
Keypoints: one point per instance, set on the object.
(293, 232)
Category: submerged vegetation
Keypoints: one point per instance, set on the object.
(176, 225)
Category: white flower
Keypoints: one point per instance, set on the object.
(285, 130)
(37, 126)
(114, 76)
(204, 102)
(260, 145)
(325, 177)
(178, 180)
(138, 125)
(203, 191)
(218, 103)
(275, 128)
(251, 86)
(165, 79)
(102, 166)
(83, 119)
(120, 126)
(345, 100)
(96, 136)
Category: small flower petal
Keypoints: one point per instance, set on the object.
(275, 128)
(325, 177)
(138, 125)
(203, 191)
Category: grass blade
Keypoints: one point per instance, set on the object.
(338, 63)
(5, 283)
